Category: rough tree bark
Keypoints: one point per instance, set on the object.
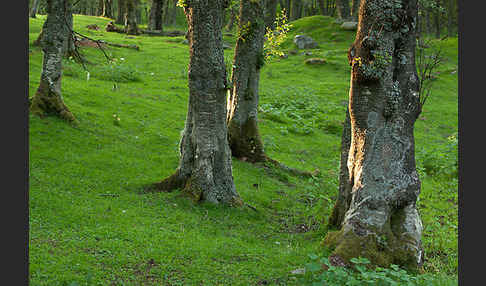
(155, 17)
(376, 215)
(343, 9)
(120, 17)
(131, 18)
(205, 171)
(35, 7)
(244, 138)
(107, 9)
(48, 99)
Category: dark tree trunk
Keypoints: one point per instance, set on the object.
(173, 13)
(287, 8)
(343, 9)
(138, 12)
(48, 100)
(437, 24)
(107, 9)
(376, 210)
(131, 18)
(296, 11)
(428, 21)
(35, 7)
(120, 17)
(450, 17)
(99, 8)
(244, 138)
(204, 171)
(322, 7)
(355, 10)
(155, 17)
(270, 13)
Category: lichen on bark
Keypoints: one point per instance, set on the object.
(55, 43)
(375, 215)
(205, 172)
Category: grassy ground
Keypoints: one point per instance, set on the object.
(90, 226)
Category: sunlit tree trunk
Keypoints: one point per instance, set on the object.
(107, 9)
(205, 171)
(244, 137)
(48, 99)
(375, 215)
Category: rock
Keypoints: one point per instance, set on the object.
(338, 21)
(185, 42)
(284, 56)
(293, 52)
(93, 27)
(315, 61)
(298, 271)
(305, 42)
(307, 53)
(349, 26)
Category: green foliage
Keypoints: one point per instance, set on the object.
(275, 38)
(442, 160)
(117, 71)
(319, 271)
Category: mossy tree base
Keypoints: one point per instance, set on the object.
(46, 102)
(382, 249)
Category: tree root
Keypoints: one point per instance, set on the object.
(292, 171)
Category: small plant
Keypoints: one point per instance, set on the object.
(275, 38)
(117, 72)
(319, 271)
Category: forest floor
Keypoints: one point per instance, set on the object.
(89, 224)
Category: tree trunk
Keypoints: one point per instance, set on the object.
(204, 171)
(244, 138)
(437, 24)
(450, 17)
(296, 11)
(322, 7)
(155, 17)
(270, 13)
(107, 9)
(381, 221)
(35, 7)
(120, 17)
(343, 9)
(131, 18)
(355, 10)
(48, 100)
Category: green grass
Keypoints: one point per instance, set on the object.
(90, 226)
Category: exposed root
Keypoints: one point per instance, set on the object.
(42, 106)
(173, 182)
(292, 171)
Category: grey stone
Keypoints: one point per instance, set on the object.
(349, 26)
(315, 61)
(305, 42)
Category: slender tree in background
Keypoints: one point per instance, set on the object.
(48, 99)
(155, 16)
(296, 10)
(270, 12)
(205, 170)
(375, 215)
(131, 26)
(343, 9)
(35, 7)
(355, 10)
(107, 9)
(121, 8)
